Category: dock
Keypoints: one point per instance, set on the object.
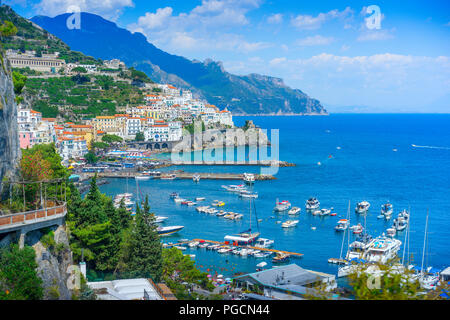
(239, 246)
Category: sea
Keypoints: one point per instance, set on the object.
(403, 159)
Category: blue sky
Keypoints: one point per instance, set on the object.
(324, 48)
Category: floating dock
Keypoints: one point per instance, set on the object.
(239, 246)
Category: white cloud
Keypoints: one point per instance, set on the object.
(206, 27)
(309, 22)
(155, 20)
(109, 9)
(275, 18)
(316, 40)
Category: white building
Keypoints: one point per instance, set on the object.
(133, 126)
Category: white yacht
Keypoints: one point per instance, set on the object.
(264, 243)
(325, 212)
(362, 207)
(312, 203)
(142, 178)
(249, 178)
(382, 249)
(159, 219)
(289, 223)
(282, 206)
(294, 211)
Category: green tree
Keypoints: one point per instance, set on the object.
(109, 138)
(145, 246)
(8, 29)
(19, 81)
(18, 277)
(91, 157)
(139, 137)
(79, 70)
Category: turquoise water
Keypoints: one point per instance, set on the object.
(364, 168)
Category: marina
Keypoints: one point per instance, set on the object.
(315, 235)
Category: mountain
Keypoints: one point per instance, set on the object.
(250, 94)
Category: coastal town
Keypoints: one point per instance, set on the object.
(94, 206)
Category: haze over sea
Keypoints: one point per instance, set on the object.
(366, 167)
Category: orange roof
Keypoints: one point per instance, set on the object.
(170, 86)
(80, 126)
(58, 127)
(49, 119)
(104, 117)
(32, 111)
(70, 123)
(121, 115)
(100, 131)
(160, 125)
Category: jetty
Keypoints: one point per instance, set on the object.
(238, 246)
(261, 163)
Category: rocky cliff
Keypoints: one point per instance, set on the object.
(9, 137)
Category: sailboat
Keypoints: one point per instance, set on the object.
(427, 281)
(245, 237)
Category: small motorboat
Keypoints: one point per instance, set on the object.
(200, 199)
(316, 212)
(294, 211)
(357, 229)
(391, 232)
(174, 195)
(142, 178)
(264, 243)
(193, 244)
(342, 225)
(280, 257)
(170, 176)
(387, 209)
(217, 203)
(289, 223)
(312, 203)
(179, 200)
(324, 212)
(282, 206)
(362, 207)
(248, 195)
(196, 178)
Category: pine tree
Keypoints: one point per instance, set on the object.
(146, 250)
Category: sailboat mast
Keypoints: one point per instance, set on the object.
(250, 212)
(424, 242)
(406, 235)
(345, 230)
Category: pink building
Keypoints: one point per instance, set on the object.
(25, 138)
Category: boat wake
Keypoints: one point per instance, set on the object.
(430, 147)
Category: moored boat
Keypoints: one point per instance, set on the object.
(289, 223)
(282, 206)
(294, 211)
(342, 225)
(312, 203)
(362, 207)
(165, 231)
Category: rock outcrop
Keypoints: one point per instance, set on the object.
(54, 263)
(9, 137)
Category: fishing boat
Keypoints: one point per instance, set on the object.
(289, 223)
(249, 178)
(282, 206)
(165, 231)
(264, 243)
(342, 225)
(142, 178)
(362, 207)
(312, 203)
(387, 209)
(280, 257)
(170, 176)
(294, 211)
(196, 178)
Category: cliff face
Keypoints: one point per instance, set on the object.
(9, 136)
